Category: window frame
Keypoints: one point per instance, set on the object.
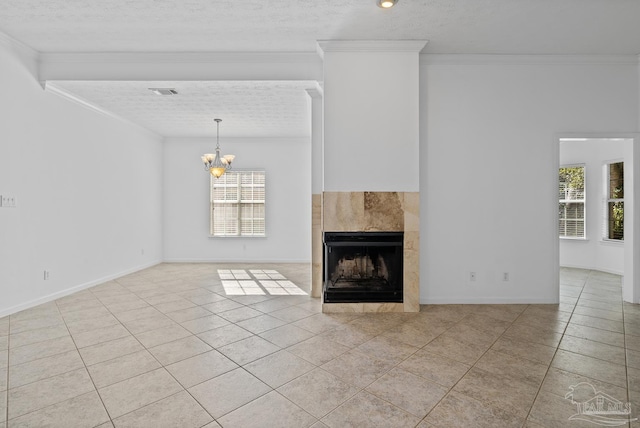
(239, 203)
(608, 200)
(582, 201)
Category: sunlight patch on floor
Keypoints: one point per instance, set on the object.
(239, 282)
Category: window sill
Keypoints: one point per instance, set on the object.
(237, 237)
(612, 242)
(569, 238)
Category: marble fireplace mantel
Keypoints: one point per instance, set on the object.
(371, 212)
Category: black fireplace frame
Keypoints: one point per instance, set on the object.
(391, 241)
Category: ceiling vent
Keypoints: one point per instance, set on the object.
(164, 91)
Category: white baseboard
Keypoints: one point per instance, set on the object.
(500, 300)
(74, 289)
(611, 271)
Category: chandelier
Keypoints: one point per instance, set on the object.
(216, 164)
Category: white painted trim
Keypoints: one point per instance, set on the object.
(611, 271)
(316, 91)
(458, 300)
(597, 135)
(23, 49)
(239, 140)
(179, 57)
(554, 241)
(181, 66)
(631, 276)
(71, 290)
(54, 89)
(468, 59)
(399, 46)
(28, 56)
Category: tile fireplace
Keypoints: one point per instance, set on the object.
(386, 216)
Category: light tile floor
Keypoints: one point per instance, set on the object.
(167, 347)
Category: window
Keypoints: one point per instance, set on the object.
(571, 202)
(237, 204)
(615, 201)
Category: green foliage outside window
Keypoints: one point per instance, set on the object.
(571, 198)
(616, 201)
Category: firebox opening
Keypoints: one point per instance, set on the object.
(363, 267)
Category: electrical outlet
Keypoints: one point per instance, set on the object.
(46, 275)
(8, 201)
(505, 276)
(472, 276)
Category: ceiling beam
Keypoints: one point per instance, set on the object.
(180, 66)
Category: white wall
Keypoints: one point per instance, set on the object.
(631, 280)
(287, 163)
(488, 166)
(371, 121)
(593, 252)
(88, 192)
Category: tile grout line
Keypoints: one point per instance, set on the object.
(158, 361)
(624, 342)
(49, 377)
(471, 366)
(557, 347)
(424, 419)
(165, 369)
(359, 390)
(85, 365)
(242, 366)
(144, 348)
(364, 389)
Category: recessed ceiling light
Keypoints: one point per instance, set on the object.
(386, 4)
(164, 91)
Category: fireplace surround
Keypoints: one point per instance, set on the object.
(370, 212)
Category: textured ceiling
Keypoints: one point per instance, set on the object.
(278, 108)
(247, 109)
(451, 26)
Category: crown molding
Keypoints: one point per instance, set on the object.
(598, 135)
(54, 89)
(29, 57)
(386, 46)
(178, 57)
(474, 59)
(16, 45)
(206, 139)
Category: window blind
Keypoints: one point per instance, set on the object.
(571, 198)
(238, 204)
